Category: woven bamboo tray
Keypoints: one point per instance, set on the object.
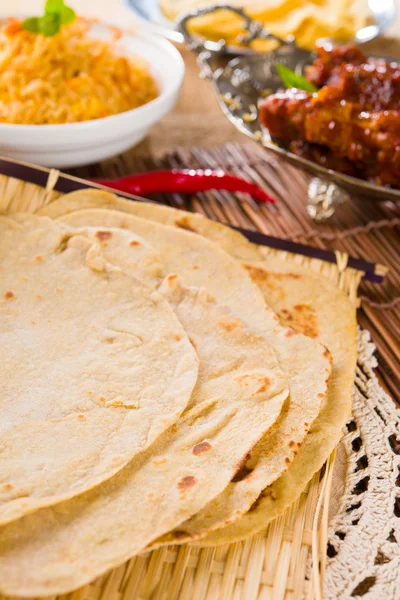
(285, 562)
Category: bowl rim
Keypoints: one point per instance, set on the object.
(156, 40)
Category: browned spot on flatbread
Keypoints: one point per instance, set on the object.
(287, 460)
(228, 325)
(267, 493)
(81, 417)
(103, 235)
(270, 280)
(320, 395)
(184, 223)
(177, 337)
(7, 486)
(290, 332)
(39, 297)
(134, 243)
(159, 461)
(171, 278)
(243, 473)
(39, 258)
(244, 380)
(195, 267)
(101, 399)
(179, 534)
(265, 383)
(201, 448)
(9, 295)
(187, 482)
(302, 318)
(291, 443)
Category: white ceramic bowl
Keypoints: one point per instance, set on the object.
(74, 144)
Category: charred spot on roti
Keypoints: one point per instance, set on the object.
(39, 297)
(134, 243)
(103, 235)
(171, 279)
(243, 473)
(7, 486)
(292, 443)
(241, 465)
(246, 379)
(177, 337)
(228, 325)
(81, 417)
(265, 383)
(290, 332)
(270, 280)
(287, 460)
(187, 482)
(39, 258)
(320, 395)
(302, 318)
(267, 493)
(195, 267)
(9, 295)
(101, 399)
(159, 461)
(201, 448)
(179, 534)
(184, 223)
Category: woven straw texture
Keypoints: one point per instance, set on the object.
(288, 561)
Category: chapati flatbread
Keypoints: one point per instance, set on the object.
(238, 396)
(312, 305)
(306, 363)
(95, 363)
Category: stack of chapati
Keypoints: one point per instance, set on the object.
(160, 383)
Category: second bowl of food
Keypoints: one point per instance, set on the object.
(84, 94)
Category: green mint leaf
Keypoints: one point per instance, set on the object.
(53, 7)
(290, 79)
(49, 24)
(67, 15)
(31, 24)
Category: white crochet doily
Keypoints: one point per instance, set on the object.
(364, 536)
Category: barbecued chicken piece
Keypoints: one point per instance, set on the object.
(284, 113)
(363, 137)
(329, 59)
(373, 86)
(323, 156)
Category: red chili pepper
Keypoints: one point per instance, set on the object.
(188, 181)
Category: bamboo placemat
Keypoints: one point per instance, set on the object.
(273, 564)
(362, 228)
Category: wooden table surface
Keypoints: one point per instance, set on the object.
(197, 119)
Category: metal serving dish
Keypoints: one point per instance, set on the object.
(149, 14)
(238, 86)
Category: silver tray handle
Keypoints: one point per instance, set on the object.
(207, 49)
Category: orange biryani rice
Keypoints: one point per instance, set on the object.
(69, 77)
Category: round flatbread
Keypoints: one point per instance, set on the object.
(306, 363)
(238, 396)
(96, 364)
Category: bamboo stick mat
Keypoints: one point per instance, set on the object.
(273, 564)
(362, 228)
